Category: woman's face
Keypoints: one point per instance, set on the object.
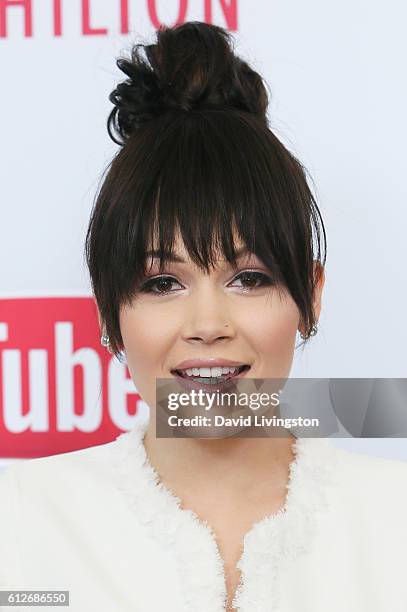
(197, 315)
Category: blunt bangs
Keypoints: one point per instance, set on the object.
(212, 177)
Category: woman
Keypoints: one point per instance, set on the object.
(204, 251)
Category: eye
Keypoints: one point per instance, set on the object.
(254, 279)
(161, 282)
(161, 285)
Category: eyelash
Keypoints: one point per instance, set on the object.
(266, 282)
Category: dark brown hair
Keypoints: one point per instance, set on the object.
(197, 156)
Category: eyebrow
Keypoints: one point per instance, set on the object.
(177, 259)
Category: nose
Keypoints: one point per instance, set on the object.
(207, 322)
(209, 334)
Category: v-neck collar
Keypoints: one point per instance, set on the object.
(275, 539)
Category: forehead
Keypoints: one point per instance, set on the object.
(180, 253)
(179, 245)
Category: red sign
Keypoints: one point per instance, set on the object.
(60, 390)
(89, 24)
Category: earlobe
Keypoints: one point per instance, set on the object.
(319, 276)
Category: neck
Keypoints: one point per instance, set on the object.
(232, 465)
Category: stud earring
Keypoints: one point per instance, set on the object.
(313, 332)
(105, 341)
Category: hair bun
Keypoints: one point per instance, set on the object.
(190, 66)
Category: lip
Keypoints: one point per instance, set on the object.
(208, 362)
(188, 384)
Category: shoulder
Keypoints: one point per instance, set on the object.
(373, 488)
(373, 469)
(62, 474)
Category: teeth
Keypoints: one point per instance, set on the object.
(209, 372)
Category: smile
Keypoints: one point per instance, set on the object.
(213, 375)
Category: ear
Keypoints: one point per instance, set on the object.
(318, 270)
(319, 273)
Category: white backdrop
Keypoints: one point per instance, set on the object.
(337, 78)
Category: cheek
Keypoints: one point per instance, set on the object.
(144, 336)
(274, 329)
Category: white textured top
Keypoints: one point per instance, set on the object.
(99, 523)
